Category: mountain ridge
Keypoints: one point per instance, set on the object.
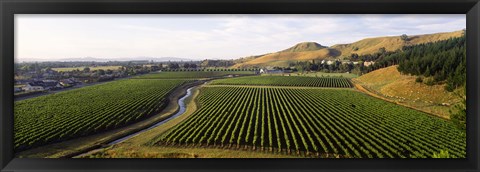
(361, 47)
(304, 46)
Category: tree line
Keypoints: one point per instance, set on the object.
(439, 62)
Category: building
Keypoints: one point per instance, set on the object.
(67, 82)
(51, 84)
(34, 86)
(42, 85)
(366, 64)
(265, 71)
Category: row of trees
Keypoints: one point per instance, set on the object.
(445, 61)
(335, 66)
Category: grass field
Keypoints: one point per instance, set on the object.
(67, 69)
(70, 114)
(286, 81)
(193, 74)
(392, 85)
(310, 121)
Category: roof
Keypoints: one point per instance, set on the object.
(45, 83)
(50, 84)
(36, 83)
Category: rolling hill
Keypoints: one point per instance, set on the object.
(305, 46)
(388, 83)
(284, 58)
(391, 43)
(314, 51)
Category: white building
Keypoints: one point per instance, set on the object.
(265, 71)
(34, 86)
(366, 64)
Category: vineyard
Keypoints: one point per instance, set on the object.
(286, 81)
(87, 110)
(192, 74)
(313, 122)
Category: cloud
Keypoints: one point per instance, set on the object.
(206, 36)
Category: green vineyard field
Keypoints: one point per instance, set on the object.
(191, 74)
(315, 122)
(87, 110)
(286, 81)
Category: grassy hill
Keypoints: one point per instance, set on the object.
(284, 58)
(311, 50)
(391, 43)
(305, 46)
(388, 83)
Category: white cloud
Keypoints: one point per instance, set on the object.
(205, 36)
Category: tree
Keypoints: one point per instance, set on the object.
(404, 37)
(419, 80)
(186, 65)
(173, 66)
(459, 116)
(382, 50)
(427, 72)
(87, 69)
(101, 72)
(193, 65)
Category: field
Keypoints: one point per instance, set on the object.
(316, 74)
(318, 122)
(286, 81)
(323, 74)
(390, 84)
(87, 110)
(67, 69)
(196, 74)
(140, 146)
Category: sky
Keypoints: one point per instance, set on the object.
(198, 37)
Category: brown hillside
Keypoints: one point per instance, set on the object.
(391, 43)
(311, 50)
(305, 46)
(284, 58)
(392, 85)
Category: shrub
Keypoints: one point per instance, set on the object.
(419, 80)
